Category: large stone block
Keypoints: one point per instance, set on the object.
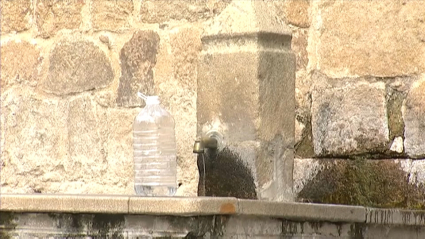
(15, 15)
(54, 15)
(414, 120)
(378, 38)
(246, 92)
(138, 57)
(77, 66)
(34, 140)
(157, 11)
(348, 116)
(175, 82)
(19, 62)
(111, 15)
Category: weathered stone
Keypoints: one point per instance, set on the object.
(296, 12)
(19, 62)
(397, 145)
(348, 116)
(373, 183)
(111, 15)
(15, 15)
(378, 38)
(175, 80)
(138, 57)
(304, 171)
(417, 172)
(157, 11)
(119, 146)
(55, 15)
(34, 139)
(245, 71)
(87, 134)
(77, 66)
(299, 46)
(414, 120)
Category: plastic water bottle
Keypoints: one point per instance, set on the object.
(154, 145)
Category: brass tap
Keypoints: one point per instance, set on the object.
(203, 143)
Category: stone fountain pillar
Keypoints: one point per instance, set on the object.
(246, 92)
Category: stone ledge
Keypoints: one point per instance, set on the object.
(303, 211)
(201, 206)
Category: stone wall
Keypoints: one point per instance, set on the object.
(70, 71)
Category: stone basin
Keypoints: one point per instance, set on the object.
(121, 216)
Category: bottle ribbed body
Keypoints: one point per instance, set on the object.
(154, 151)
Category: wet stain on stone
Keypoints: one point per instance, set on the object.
(226, 175)
(228, 208)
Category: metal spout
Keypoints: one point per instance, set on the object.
(203, 143)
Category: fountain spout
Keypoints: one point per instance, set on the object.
(203, 143)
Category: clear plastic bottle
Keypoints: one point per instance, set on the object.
(154, 145)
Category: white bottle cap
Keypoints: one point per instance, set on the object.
(150, 100)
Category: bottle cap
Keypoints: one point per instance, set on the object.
(150, 100)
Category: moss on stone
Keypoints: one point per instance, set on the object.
(109, 225)
(304, 148)
(374, 183)
(7, 223)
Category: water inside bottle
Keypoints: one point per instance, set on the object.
(155, 191)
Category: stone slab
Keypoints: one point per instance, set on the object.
(183, 206)
(302, 211)
(63, 203)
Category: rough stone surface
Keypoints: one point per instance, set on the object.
(111, 15)
(138, 57)
(54, 15)
(158, 11)
(77, 66)
(15, 15)
(378, 38)
(34, 138)
(304, 171)
(417, 172)
(175, 82)
(19, 62)
(414, 120)
(296, 12)
(348, 117)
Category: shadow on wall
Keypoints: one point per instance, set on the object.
(377, 183)
(225, 175)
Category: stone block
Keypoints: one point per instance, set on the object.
(348, 116)
(19, 62)
(77, 66)
(111, 15)
(296, 12)
(374, 38)
(16, 15)
(246, 93)
(414, 120)
(417, 172)
(158, 11)
(55, 15)
(34, 141)
(137, 57)
(175, 83)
